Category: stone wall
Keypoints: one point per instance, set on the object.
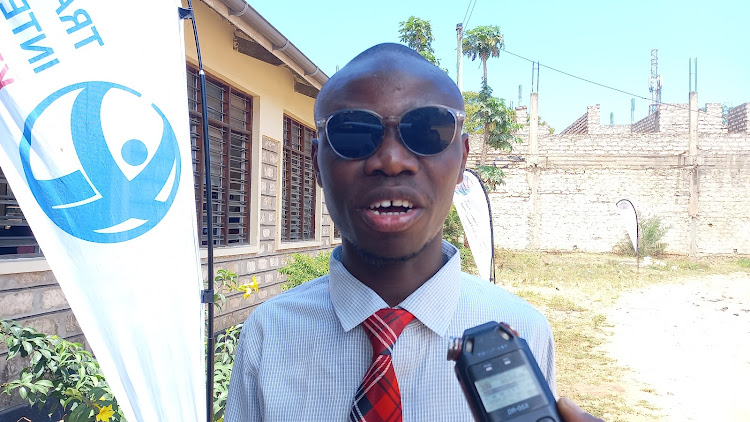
(648, 124)
(564, 198)
(738, 118)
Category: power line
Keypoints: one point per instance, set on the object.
(470, 14)
(577, 77)
(468, 6)
(682, 106)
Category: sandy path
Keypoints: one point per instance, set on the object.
(690, 343)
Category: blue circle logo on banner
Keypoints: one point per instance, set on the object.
(100, 202)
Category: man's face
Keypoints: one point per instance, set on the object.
(393, 203)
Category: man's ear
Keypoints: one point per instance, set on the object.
(465, 151)
(314, 154)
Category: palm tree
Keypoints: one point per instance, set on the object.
(483, 42)
(417, 34)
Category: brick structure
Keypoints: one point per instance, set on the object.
(564, 198)
(738, 118)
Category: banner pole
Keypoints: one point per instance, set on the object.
(207, 296)
(492, 229)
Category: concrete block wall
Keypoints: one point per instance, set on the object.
(522, 115)
(723, 223)
(577, 205)
(711, 119)
(33, 299)
(648, 124)
(581, 125)
(732, 144)
(673, 118)
(510, 218)
(738, 119)
(566, 201)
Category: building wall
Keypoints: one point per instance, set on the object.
(564, 199)
(738, 118)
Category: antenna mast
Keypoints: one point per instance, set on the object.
(654, 84)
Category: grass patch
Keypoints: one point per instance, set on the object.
(573, 290)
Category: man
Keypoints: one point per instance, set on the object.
(389, 155)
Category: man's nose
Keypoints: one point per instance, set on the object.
(392, 158)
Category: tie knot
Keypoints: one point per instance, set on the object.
(384, 327)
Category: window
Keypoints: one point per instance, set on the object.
(15, 234)
(298, 183)
(230, 133)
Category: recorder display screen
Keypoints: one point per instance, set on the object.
(507, 387)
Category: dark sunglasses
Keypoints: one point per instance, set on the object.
(357, 134)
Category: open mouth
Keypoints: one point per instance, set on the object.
(391, 207)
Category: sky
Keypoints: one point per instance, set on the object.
(608, 42)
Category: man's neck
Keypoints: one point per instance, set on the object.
(394, 279)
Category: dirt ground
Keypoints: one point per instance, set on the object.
(687, 346)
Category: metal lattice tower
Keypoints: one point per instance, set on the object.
(654, 84)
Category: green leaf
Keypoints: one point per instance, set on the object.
(27, 347)
(46, 383)
(23, 392)
(12, 351)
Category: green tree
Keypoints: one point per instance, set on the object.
(417, 34)
(471, 105)
(483, 42)
(491, 116)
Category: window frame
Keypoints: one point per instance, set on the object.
(315, 211)
(224, 125)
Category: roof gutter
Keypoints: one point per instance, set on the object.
(241, 9)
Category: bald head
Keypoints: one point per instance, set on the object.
(381, 65)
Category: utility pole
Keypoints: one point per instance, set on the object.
(459, 55)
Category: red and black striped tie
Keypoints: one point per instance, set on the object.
(378, 398)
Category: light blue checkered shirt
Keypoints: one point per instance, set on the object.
(303, 354)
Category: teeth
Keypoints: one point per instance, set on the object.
(392, 203)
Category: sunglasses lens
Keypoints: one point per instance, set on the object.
(354, 133)
(428, 130)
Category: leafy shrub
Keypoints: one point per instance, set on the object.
(651, 231)
(225, 348)
(59, 372)
(227, 280)
(453, 232)
(304, 268)
(491, 176)
(64, 374)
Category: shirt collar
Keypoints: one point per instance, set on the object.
(433, 304)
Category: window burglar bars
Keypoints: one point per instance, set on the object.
(230, 134)
(16, 237)
(298, 183)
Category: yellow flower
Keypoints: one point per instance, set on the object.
(104, 413)
(249, 288)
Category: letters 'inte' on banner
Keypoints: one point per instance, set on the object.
(96, 148)
(473, 210)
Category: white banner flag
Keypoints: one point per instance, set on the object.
(96, 148)
(474, 212)
(629, 219)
